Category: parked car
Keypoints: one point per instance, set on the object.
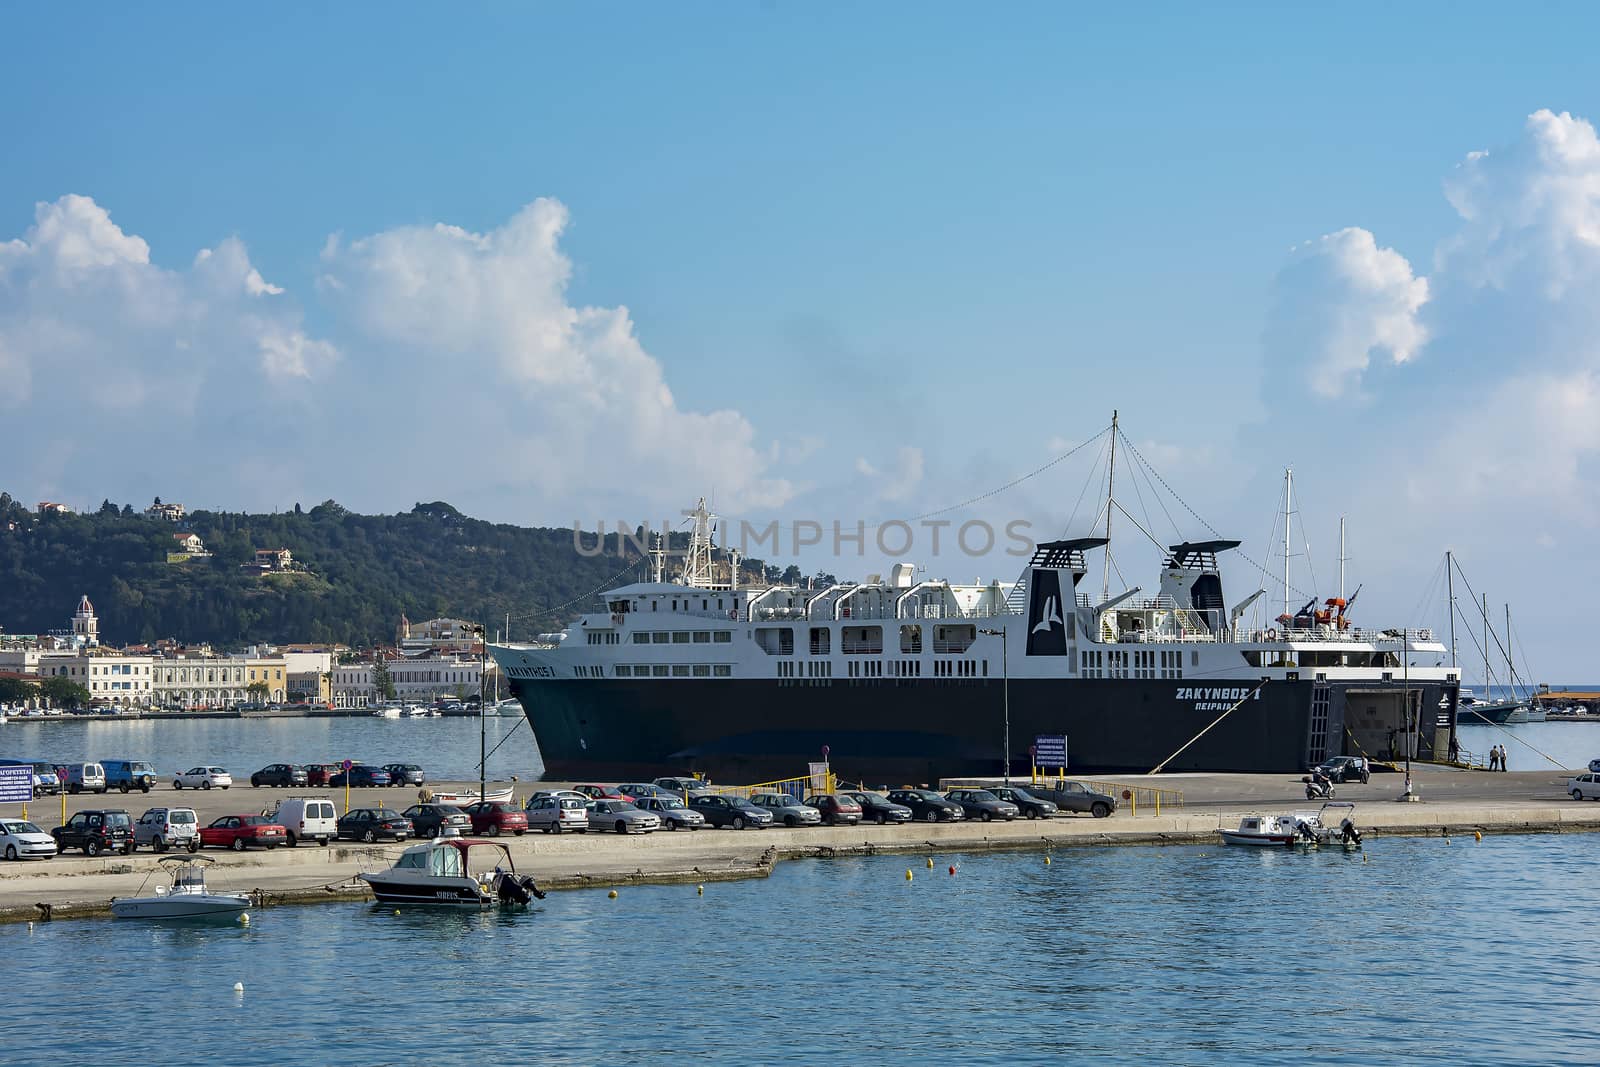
(639, 790)
(493, 818)
(1594, 765)
(836, 809)
(239, 832)
(318, 775)
(735, 812)
(85, 778)
(556, 813)
(125, 774)
(1341, 769)
(307, 819)
(1032, 807)
(928, 806)
(405, 774)
(683, 784)
(432, 820)
(1077, 797)
(20, 840)
(1585, 786)
(673, 813)
(787, 809)
(369, 824)
(572, 793)
(286, 775)
(620, 815)
(602, 792)
(96, 831)
(359, 776)
(983, 805)
(875, 807)
(203, 778)
(164, 828)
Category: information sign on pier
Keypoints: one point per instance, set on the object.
(1050, 750)
(16, 784)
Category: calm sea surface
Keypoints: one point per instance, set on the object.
(446, 748)
(1429, 952)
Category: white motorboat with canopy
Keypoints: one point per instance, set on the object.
(187, 898)
(437, 872)
(1311, 828)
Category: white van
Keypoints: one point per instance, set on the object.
(85, 777)
(307, 818)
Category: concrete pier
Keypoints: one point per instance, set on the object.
(1454, 803)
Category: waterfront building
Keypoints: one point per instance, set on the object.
(199, 679)
(419, 678)
(111, 677)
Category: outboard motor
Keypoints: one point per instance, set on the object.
(1349, 834)
(513, 890)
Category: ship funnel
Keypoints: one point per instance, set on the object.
(1052, 611)
(1191, 578)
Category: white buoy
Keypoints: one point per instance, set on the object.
(238, 987)
(244, 917)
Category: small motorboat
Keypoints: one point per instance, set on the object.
(386, 711)
(1264, 831)
(188, 897)
(460, 798)
(436, 872)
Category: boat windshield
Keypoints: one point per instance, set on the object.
(446, 862)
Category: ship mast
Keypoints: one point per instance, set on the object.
(1342, 557)
(1288, 504)
(1111, 474)
(1450, 585)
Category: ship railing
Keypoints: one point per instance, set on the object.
(1361, 635)
(794, 787)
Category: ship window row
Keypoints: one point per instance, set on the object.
(862, 640)
(675, 670)
(609, 637)
(961, 668)
(682, 637)
(808, 669)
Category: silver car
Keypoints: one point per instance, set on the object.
(555, 813)
(787, 809)
(621, 816)
(673, 813)
(164, 828)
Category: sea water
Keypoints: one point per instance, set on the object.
(1421, 951)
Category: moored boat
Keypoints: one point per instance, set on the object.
(437, 873)
(188, 897)
(460, 797)
(1263, 831)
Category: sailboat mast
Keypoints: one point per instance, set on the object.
(1486, 677)
(1288, 504)
(1111, 474)
(1450, 585)
(1511, 668)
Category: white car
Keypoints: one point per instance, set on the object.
(203, 778)
(1584, 786)
(22, 840)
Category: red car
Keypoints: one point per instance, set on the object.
(240, 831)
(837, 809)
(602, 792)
(493, 819)
(317, 774)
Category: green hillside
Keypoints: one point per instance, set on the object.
(361, 573)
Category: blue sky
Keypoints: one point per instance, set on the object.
(910, 250)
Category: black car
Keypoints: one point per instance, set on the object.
(361, 775)
(927, 805)
(1341, 769)
(431, 820)
(1075, 796)
(405, 774)
(1030, 806)
(96, 831)
(983, 805)
(875, 807)
(369, 824)
(287, 775)
(736, 812)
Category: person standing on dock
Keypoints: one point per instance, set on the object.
(1502, 757)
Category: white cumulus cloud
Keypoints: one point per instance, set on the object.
(1340, 301)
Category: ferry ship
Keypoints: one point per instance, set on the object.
(914, 678)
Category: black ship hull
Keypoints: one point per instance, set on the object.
(920, 730)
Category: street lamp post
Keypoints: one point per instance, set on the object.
(483, 723)
(1005, 695)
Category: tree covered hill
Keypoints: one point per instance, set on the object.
(361, 573)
